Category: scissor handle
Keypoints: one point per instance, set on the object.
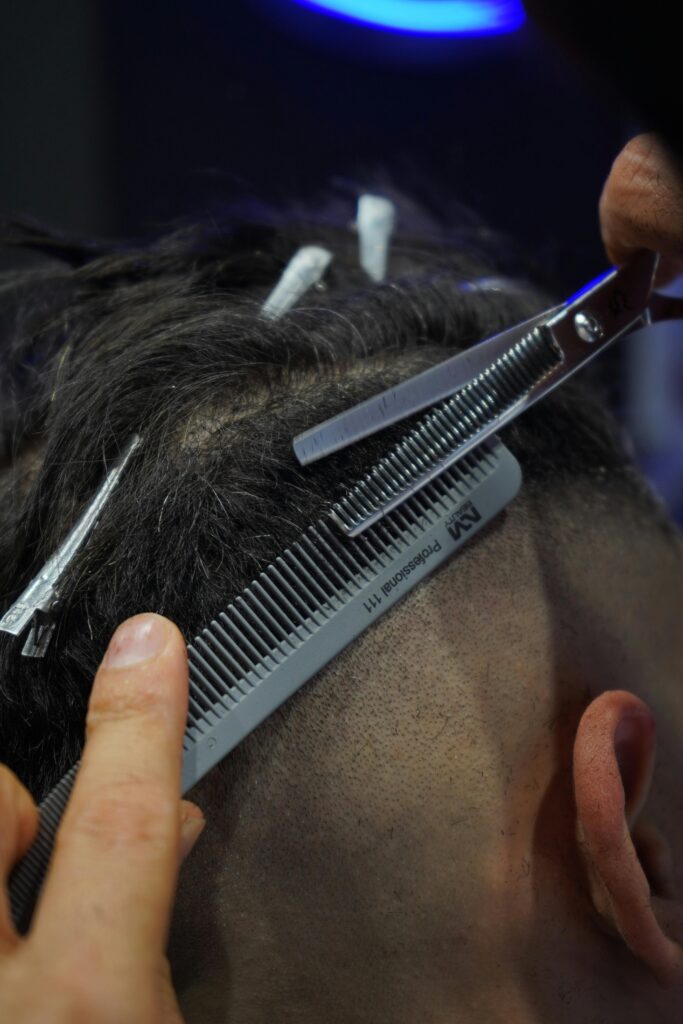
(665, 307)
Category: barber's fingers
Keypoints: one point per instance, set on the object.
(110, 886)
(642, 206)
(192, 824)
(18, 825)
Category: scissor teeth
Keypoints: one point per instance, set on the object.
(435, 443)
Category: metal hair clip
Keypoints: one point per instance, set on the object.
(375, 223)
(494, 284)
(305, 269)
(38, 604)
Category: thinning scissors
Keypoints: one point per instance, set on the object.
(505, 374)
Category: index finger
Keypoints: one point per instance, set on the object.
(113, 873)
(641, 206)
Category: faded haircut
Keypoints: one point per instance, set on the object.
(166, 340)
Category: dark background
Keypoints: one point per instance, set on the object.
(119, 117)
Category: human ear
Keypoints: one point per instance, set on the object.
(614, 754)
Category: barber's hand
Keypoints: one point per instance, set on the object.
(642, 206)
(95, 951)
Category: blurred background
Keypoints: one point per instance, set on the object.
(120, 117)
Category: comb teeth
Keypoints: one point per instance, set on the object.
(301, 611)
(297, 595)
(436, 442)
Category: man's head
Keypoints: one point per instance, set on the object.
(435, 827)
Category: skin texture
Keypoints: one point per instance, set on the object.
(641, 206)
(642, 202)
(448, 825)
(463, 818)
(98, 935)
(441, 831)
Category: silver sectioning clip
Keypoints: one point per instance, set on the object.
(375, 222)
(38, 604)
(305, 269)
(494, 284)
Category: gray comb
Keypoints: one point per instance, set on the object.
(312, 601)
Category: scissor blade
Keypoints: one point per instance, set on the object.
(410, 396)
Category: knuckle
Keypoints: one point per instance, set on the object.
(82, 994)
(83, 988)
(110, 704)
(131, 813)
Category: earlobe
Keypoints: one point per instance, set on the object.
(614, 755)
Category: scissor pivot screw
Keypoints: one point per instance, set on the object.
(588, 327)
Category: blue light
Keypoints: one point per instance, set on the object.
(589, 287)
(436, 17)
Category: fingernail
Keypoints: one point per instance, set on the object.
(135, 641)
(190, 831)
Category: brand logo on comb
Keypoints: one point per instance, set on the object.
(417, 560)
(463, 519)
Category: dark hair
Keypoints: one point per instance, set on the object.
(166, 340)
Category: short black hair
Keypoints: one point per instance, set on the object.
(166, 340)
